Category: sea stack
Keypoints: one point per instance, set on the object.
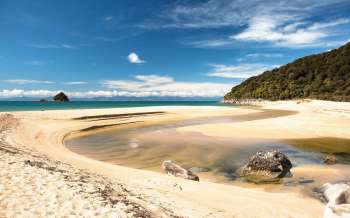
(61, 97)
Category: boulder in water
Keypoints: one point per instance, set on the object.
(61, 97)
(178, 171)
(330, 159)
(266, 166)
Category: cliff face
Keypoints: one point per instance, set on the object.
(324, 76)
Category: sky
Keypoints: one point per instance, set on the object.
(157, 48)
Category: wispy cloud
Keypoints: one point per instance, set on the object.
(24, 81)
(280, 22)
(279, 30)
(210, 43)
(154, 85)
(54, 46)
(283, 31)
(68, 46)
(224, 13)
(317, 25)
(106, 39)
(264, 55)
(36, 63)
(134, 58)
(108, 18)
(259, 57)
(210, 14)
(239, 71)
(75, 83)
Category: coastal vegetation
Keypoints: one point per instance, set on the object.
(324, 76)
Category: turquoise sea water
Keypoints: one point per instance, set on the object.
(6, 106)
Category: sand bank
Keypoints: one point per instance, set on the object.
(41, 135)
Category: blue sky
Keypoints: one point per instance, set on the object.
(157, 48)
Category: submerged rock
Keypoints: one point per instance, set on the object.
(61, 97)
(338, 200)
(298, 181)
(178, 171)
(330, 159)
(199, 169)
(266, 166)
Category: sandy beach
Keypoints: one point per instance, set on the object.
(40, 177)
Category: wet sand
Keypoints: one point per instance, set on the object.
(166, 196)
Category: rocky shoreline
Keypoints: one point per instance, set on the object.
(247, 102)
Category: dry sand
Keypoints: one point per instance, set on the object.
(40, 176)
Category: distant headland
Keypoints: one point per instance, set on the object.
(323, 76)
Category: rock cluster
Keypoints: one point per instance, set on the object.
(178, 171)
(266, 166)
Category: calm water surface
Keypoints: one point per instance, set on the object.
(36, 105)
(148, 146)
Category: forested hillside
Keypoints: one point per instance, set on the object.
(324, 76)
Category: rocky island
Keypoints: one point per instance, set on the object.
(61, 97)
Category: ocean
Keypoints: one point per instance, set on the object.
(6, 106)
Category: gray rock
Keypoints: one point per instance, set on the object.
(178, 171)
(266, 166)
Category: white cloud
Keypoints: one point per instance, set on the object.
(35, 63)
(239, 71)
(141, 86)
(273, 29)
(6, 93)
(75, 83)
(317, 26)
(264, 55)
(211, 14)
(215, 92)
(280, 22)
(68, 46)
(153, 85)
(134, 58)
(210, 43)
(108, 18)
(224, 13)
(259, 56)
(24, 81)
(154, 79)
(56, 46)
